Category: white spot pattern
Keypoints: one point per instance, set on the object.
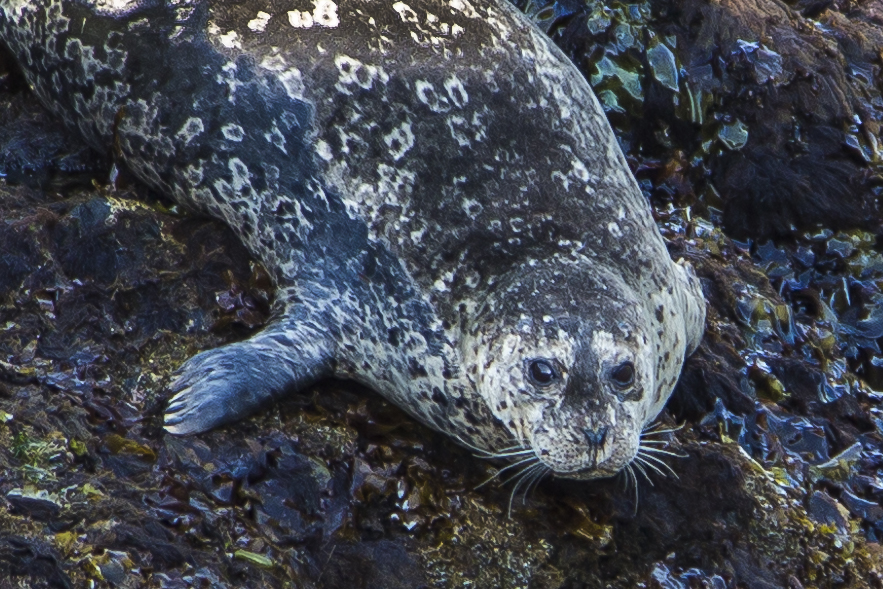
(400, 140)
(233, 132)
(259, 23)
(324, 14)
(230, 40)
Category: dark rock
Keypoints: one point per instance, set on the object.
(381, 565)
(151, 538)
(38, 504)
(824, 509)
(869, 511)
(113, 572)
(29, 558)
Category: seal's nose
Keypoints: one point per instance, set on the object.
(596, 438)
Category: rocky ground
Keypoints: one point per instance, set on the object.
(753, 128)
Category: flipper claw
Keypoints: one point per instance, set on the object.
(228, 383)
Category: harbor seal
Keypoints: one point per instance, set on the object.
(443, 207)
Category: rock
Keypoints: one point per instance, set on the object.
(825, 510)
(39, 504)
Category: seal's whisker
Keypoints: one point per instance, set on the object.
(508, 454)
(637, 465)
(661, 463)
(661, 451)
(511, 448)
(659, 432)
(662, 442)
(651, 465)
(482, 453)
(623, 484)
(534, 478)
(543, 473)
(522, 476)
(524, 469)
(649, 431)
(505, 468)
(634, 480)
(470, 446)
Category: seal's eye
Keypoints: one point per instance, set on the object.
(541, 372)
(623, 375)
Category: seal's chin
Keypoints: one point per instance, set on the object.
(617, 459)
(589, 474)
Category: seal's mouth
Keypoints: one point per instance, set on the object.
(587, 474)
(582, 452)
(644, 459)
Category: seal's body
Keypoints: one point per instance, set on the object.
(434, 188)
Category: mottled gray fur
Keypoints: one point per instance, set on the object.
(444, 208)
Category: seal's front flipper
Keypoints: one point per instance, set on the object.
(228, 383)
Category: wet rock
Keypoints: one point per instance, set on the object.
(114, 572)
(33, 562)
(766, 64)
(734, 135)
(776, 73)
(36, 151)
(380, 564)
(149, 538)
(173, 581)
(667, 579)
(663, 65)
(867, 510)
(37, 503)
(825, 510)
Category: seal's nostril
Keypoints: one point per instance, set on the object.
(596, 438)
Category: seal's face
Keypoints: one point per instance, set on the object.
(571, 375)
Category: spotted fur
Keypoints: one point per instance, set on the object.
(432, 184)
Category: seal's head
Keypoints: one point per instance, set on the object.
(564, 358)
